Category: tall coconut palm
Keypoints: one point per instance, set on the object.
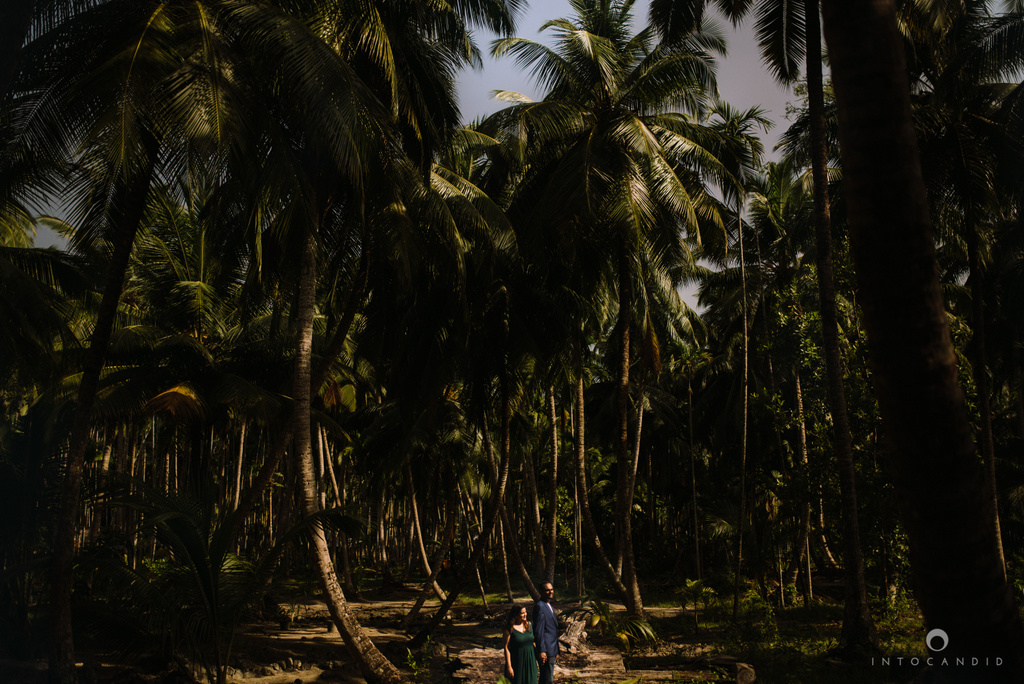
(782, 217)
(741, 155)
(789, 33)
(620, 147)
(960, 584)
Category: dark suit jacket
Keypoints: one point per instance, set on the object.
(545, 629)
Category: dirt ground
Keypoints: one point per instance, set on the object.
(303, 647)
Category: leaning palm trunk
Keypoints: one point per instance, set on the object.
(858, 632)
(371, 662)
(940, 482)
(442, 551)
(126, 223)
(419, 532)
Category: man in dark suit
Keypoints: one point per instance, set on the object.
(545, 632)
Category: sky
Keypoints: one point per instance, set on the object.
(742, 80)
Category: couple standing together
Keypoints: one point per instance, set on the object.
(530, 649)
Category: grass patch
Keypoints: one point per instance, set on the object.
(797, 645)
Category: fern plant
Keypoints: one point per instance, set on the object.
(628, 631)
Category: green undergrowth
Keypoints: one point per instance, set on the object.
(797, 644)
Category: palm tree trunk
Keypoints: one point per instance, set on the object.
(94, 529)
(693, 476)
(549, 570)
(584, 499)
(741, 522)
(940, 483)
(442, 552)
(126, 224)
(623, 500)
(858, 632)
(284, 435)
(240, 465)
(504, 564)
(980, 368)
(419, 532)
(533, 511)
(801, 551)
(371, 662)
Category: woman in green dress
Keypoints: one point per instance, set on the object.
(520, 658)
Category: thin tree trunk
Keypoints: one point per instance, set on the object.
(94, 530)
(419, 532)
(504, 564)
(550, 554)
(741, 523)
(623, 500)
(329, 463)
(129, 208)
(858, 631)
(442, 552)
(584, 499)
(578, 536)
(241, 463)
(940, 482)
(318, 455)
(480, 584)
(693, 477)
(370, 661)
(349, 586)
(800, 549)
(980, 367)
(533, 512)
(635, 458)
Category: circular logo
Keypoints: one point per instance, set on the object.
(939, 636)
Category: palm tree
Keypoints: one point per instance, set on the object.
(959, 57)
(782, 217)
(619, 152)
(940, 483)
(741, 156)
(788, 33)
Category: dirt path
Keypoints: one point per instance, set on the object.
(304, 647)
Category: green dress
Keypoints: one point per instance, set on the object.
(524, 660)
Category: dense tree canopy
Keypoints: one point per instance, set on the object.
(304, 322)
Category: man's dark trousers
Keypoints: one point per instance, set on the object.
(545, 631)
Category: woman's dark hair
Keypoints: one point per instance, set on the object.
(513, 613)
